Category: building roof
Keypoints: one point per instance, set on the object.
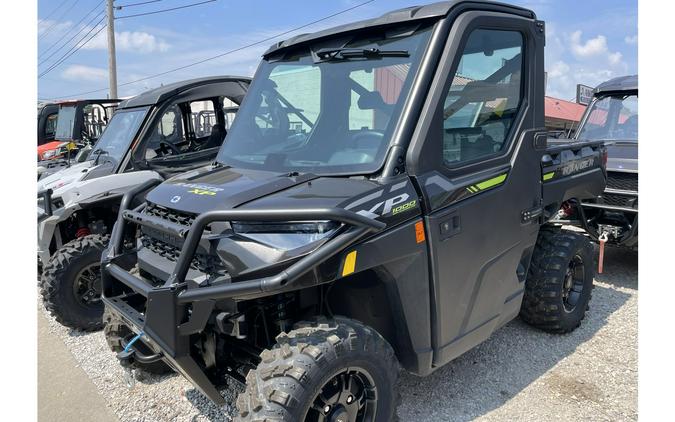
(161, 93)
(400, 16)
(555, 108)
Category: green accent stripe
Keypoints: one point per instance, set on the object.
(549, 176)
(491, 182)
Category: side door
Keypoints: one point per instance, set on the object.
(477, 166)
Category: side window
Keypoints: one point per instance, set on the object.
(484, 96)
(203, 117)
(50, 124)
(229, 111)
(169, 132)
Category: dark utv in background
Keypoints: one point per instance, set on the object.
(612, 117)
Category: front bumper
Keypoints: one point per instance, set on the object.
(169, 314)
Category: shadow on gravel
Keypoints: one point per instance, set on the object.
(209, 410)
(486, 377)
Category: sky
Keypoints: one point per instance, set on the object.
(587, 41)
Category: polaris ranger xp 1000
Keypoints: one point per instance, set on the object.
(152, 136)
(382, 199)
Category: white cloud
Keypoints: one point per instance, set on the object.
(631, 40)
(593, 47)
(614, 58)
(78, 72)
(128, 41)
(559, 68)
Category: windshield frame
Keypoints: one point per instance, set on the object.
(591, 107)
(305, 55)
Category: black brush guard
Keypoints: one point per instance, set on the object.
(173, 312)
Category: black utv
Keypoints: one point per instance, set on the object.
(612, 117)
(379, 201)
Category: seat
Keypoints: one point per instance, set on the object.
(216, 137)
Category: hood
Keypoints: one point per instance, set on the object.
(622, 156)
(207, 189)
(64, 176)
(74, 173)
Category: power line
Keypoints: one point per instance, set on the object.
(136, 4)
(87, 25)
(225, 53)
(166, 10)
(75, 48)
(56, 21)
(55, 9)
(71, 29)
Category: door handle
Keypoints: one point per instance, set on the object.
(450, 226)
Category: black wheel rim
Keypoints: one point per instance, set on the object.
(573, 285)
(349, 396)
(87, 286)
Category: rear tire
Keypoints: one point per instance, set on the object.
(350, 365)
(117, 334)
(559, 282)
(71, 283)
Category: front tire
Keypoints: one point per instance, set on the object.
(71, 283)
(333, 370)
(559, 282)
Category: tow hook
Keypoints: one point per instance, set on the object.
(129, 355)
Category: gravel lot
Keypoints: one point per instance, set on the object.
(518, 374)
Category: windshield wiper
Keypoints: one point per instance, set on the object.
(328, 54)
(98, 152)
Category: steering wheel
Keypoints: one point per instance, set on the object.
(172, 147)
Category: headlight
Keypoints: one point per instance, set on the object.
(50, 153)
(286, 235)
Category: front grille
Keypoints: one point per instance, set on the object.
(620, 200)
(623, 181)
(178, 217)
(205, 263)
(202, 262)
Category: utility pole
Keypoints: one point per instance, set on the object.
(112, 61)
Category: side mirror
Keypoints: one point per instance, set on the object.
(83, 154)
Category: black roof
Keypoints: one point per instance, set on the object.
(161, 93)
(620, 84)
(408, 14)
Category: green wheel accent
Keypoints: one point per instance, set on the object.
(549, 176)
(492, 182)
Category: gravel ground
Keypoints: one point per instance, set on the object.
(518, 374)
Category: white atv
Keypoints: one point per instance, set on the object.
(165, 131)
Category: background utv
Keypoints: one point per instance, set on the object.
(382, 199)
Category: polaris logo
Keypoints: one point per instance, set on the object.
(175, 199)
(577, 166)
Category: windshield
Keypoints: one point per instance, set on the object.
(117, 136)
(326, 109)
(64, 124)
(612, 118)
